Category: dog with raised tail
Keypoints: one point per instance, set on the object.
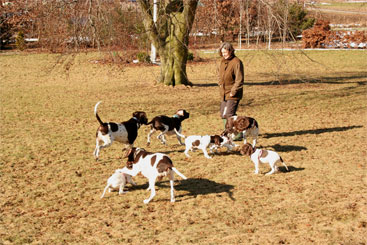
(118, 181)
(152, 166)
(213, 142)
(125, 132)
(263, 156)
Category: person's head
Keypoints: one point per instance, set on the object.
(226, 50)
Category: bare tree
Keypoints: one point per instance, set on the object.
(170, 35)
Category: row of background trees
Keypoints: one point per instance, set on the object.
(130, 26)
(58, 24)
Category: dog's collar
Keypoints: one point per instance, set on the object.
(176, 116)
(260, 153)
(137, 121)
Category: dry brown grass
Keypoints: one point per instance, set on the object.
(311, 109)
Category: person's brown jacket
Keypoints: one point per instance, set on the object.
(231, 78)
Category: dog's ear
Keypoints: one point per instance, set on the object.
(130, 152)
(241, 123)
(229, 124)
(243, 149)
(247, 150)
(141, 116)
(251, 149)
(217, 140)
(180, 112)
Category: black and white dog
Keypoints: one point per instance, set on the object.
(248, 126)
(264, 156)
(152, 166)
(167, 125)
(213, 142)
(125, 132)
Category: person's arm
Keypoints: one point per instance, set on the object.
(239, 78)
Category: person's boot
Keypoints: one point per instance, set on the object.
(238, 137)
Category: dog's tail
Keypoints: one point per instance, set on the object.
(96, 114)
(178, 173)
(181, 135)
(105, 189)
(281, 160)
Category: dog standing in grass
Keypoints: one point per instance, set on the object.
(153, 166)
(213, 142)
(125, 132)
(263, 156)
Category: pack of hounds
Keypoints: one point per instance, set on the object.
(154, 166)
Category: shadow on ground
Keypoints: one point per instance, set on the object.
(195, 187)
(327, 80)
(311, 131)
(285, 148)
(290, 169)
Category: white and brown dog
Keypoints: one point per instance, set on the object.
(263, 156)
(213, 142)
(152, 166)
(248, 126)
(118, 181)
(125, 132)
(167, 125)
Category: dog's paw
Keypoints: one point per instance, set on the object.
(173, 200)
(146, 201)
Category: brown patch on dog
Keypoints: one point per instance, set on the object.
(247, 149)
(164, 164)
(196, 143)
(133, 156)
(241, 123)
(264, 153)
(152, 160)
(103, 129)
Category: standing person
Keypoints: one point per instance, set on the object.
(231, 79)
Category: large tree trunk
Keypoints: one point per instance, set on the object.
(170, 35)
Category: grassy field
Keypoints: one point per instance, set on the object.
(345, 6)
(311, 109)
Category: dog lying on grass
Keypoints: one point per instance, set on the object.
(125, 132)
(213, 142)
(263, 156)
(152, 166)
(118, 181)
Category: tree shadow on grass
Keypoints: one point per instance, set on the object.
(327, 80)
(286, 148)
(205, 85)
(198, 186)
(311, 131)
